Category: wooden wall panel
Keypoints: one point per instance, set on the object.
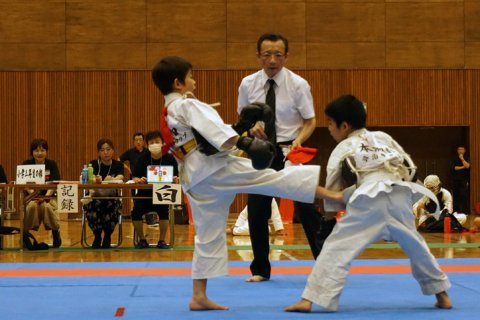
(247, 20)
(426, 1)
(59, 35)
(472, 55)
(242, 56)
(202, 55)
(436, 21)
(351, 1)
(26, 21)
(472, 21)
(105, 56)
(186, 22)
(32, 56)
(106, 21)
(473, 101)
(346, 54)
(345, 22)
(72, 110)
(425, 55)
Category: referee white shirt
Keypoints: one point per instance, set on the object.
(294, 102)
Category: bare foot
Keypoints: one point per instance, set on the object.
(443, 301)
(256, 278)
(301, 306)
(202, 304)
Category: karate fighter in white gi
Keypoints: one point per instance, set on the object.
(211, 175)
(379, 208)
(424, 208)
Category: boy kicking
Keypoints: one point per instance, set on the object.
(379, 208)
(211, 175)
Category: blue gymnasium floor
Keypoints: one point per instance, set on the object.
(141, 291)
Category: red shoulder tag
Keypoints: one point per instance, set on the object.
(166, 134)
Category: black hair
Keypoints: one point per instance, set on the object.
(461, 145)
(347, 109)
(167, 70)
(38, 143)
(136, 134)
(102, 141)
(274, 37)
(153, 135)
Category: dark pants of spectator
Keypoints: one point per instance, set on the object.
(460, 196)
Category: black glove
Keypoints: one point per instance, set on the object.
(261, 152)
(252, 113)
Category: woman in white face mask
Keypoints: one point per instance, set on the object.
(142, 206)
(156, 148)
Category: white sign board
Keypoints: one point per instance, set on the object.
(167, 193)
(67, 195)
(30, 173)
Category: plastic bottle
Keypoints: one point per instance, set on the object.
(84, 174)
(91, 177)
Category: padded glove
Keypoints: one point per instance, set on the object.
(261, 152)
(250, 114)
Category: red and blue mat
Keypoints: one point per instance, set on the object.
(376, 289)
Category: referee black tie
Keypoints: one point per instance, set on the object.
(270, 100)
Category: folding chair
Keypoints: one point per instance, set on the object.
(6, 208)
(8, 203)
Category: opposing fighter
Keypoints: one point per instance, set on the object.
(380, 207)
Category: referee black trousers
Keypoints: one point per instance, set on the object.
(259, 212)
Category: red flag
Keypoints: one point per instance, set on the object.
(301, 154)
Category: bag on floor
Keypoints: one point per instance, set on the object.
(31, 243)
(9, 230)
(434, 225)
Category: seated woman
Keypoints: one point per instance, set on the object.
(102, 214)
(43, 209)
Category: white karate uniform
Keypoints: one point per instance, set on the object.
(247, 255)
(241, 225)
(447, 201)
(212, 182)
(379, 208)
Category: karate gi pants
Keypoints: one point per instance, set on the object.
(386, 216)
(210, 202)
